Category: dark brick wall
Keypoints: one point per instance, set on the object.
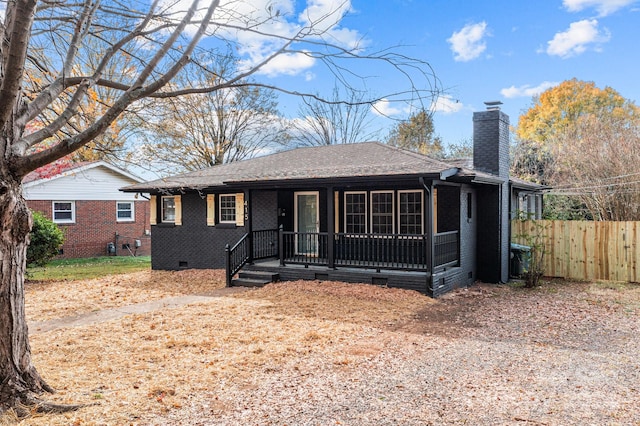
(193, 244)
(468, 240)
(448, 208)
(264, 210)
(96, 226)
(491, 154)
(465, 274)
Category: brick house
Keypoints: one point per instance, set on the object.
(84, 201)
(364, 212)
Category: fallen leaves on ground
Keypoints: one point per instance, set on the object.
(333, 353)
(47, 300)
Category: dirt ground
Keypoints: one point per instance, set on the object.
(319, 353)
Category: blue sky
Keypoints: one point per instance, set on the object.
(481, 50)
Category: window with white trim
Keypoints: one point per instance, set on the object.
(168, 209)
(355, 212)
(64, 211)
(410, 212)
(124, 211)
(227, 208)
(382, 212)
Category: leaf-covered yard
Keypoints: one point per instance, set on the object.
(318, 353)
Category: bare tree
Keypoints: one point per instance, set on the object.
(417, 133)
(597, 163)
(345, 119)
(212, 128)
(158, 40)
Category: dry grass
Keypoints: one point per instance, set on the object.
(47, 300)
(335, 353)
(154, 363)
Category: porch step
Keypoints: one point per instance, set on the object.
(255, 278)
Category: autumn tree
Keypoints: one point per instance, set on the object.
(576, 137)
(554, 114)
(212, 128)
(110, 145)
(158, 39)
(460, 149)
(344, 119)
(417, 133)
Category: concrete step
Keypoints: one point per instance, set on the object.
(259, 275)
(249, 282)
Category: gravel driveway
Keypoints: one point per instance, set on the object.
(564, 354)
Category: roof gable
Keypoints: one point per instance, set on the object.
(47, 173)
(84, 181)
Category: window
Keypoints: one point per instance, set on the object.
(355, 212)
(382, 212)
(469, 206)
(64, 211)
(410, 215)
(124, 211)
(168, 209)
(228, 208)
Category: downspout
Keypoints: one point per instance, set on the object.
(430, 222)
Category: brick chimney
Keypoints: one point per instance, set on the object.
(491, 140)
(491, 155)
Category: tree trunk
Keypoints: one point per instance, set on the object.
(19, 380)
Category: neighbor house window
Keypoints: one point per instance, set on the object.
(227, 208)
(168, 209)
(355, 212)
(410, 214)
(64, 211)
(124, 211)
(382, 212)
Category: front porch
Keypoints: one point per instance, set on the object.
(407, 261)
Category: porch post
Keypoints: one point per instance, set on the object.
(330, 228)
(281, 244)
(432, 231)
(248, 223)
(429, 232)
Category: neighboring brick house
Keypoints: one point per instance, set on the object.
(84, 201)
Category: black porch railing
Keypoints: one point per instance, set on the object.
(379, 251)
(388, 251)
(446, 248)
(376, 251)
(265, 244)
(236, 257)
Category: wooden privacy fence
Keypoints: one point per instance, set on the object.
(586, 250)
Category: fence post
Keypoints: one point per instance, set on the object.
(227, 254)
(281, 244)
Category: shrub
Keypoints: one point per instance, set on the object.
(46, 239)
(533, 235)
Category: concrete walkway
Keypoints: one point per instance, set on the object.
(96, 317)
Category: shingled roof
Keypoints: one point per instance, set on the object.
(367, 159)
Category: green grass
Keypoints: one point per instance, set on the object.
(94, 267)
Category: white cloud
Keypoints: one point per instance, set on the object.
(384, 108)
(446, 105)
(288, 64)
(604, 7)
(272, 23)
(469, 42)
(577, 39)
(527, 91)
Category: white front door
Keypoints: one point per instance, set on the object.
(307, 222)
